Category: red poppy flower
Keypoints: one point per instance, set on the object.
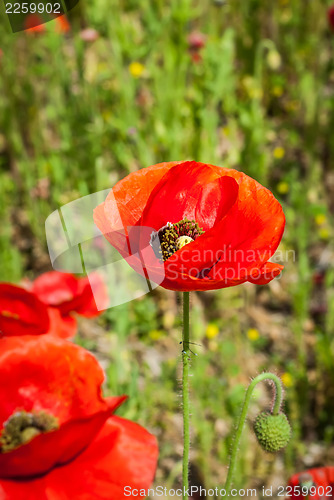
(70, 294)
(34, 23)
(21, 312)
(194, 226)
(58, 436)
(331, 17)
(196, 41)
(317, 483)
(62, 24)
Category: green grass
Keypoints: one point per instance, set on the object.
(261, 100)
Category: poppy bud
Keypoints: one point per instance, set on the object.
(272, 431)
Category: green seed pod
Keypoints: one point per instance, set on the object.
(273, 432)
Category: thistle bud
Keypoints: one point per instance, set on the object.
(273, 432)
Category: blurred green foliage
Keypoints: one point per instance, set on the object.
(75, 116)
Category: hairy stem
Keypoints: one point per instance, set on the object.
(185, 394)
(276, 408)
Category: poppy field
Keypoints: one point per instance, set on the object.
(212, 122)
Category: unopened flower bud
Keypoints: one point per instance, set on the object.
(273, 432)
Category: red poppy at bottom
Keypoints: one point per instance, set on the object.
(315, 483)
(71, 446)
(122, 454)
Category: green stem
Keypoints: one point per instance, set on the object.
(276, 408)
(185, 394)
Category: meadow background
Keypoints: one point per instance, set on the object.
(257, 95)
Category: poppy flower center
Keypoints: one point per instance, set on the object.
(173, 237)
(22, 426)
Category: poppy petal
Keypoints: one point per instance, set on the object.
(54, 448)
(49, 373)
(57, 377)
(122, 454)
(241, 242)
(320, 477)
(64, 327)
(265, 274)
(125, 203)
(190, 190)
(57, 289)
(21, 312)
(88, 304)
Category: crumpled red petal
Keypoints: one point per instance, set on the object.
(122, 454)
(59, 290)
(21, 312)
(70, 294)
(64, 327)
(52, 375)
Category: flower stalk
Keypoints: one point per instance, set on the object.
(278, 400)
(185, 394)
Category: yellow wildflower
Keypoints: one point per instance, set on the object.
(320, 219)
(253, 334)
(287, 379)
(155, 334)
(279, 153)
(136, 69)
(283, 187)
(212, 331)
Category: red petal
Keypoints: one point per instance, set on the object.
(190, 190)
(68, 293)
(265, 274)
(58, 290)
(125, 204)
(51, 374)
(47, 450)
(331, 17)
(242, 241)
(62, 24)
(319, 476)
(58, 377)
(64, 327)
(21, 312)
(92, 304)
(123, 454)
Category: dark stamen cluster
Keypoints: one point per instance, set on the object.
(23, 426)
(169, 234)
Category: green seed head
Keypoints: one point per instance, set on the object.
(273, 432)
